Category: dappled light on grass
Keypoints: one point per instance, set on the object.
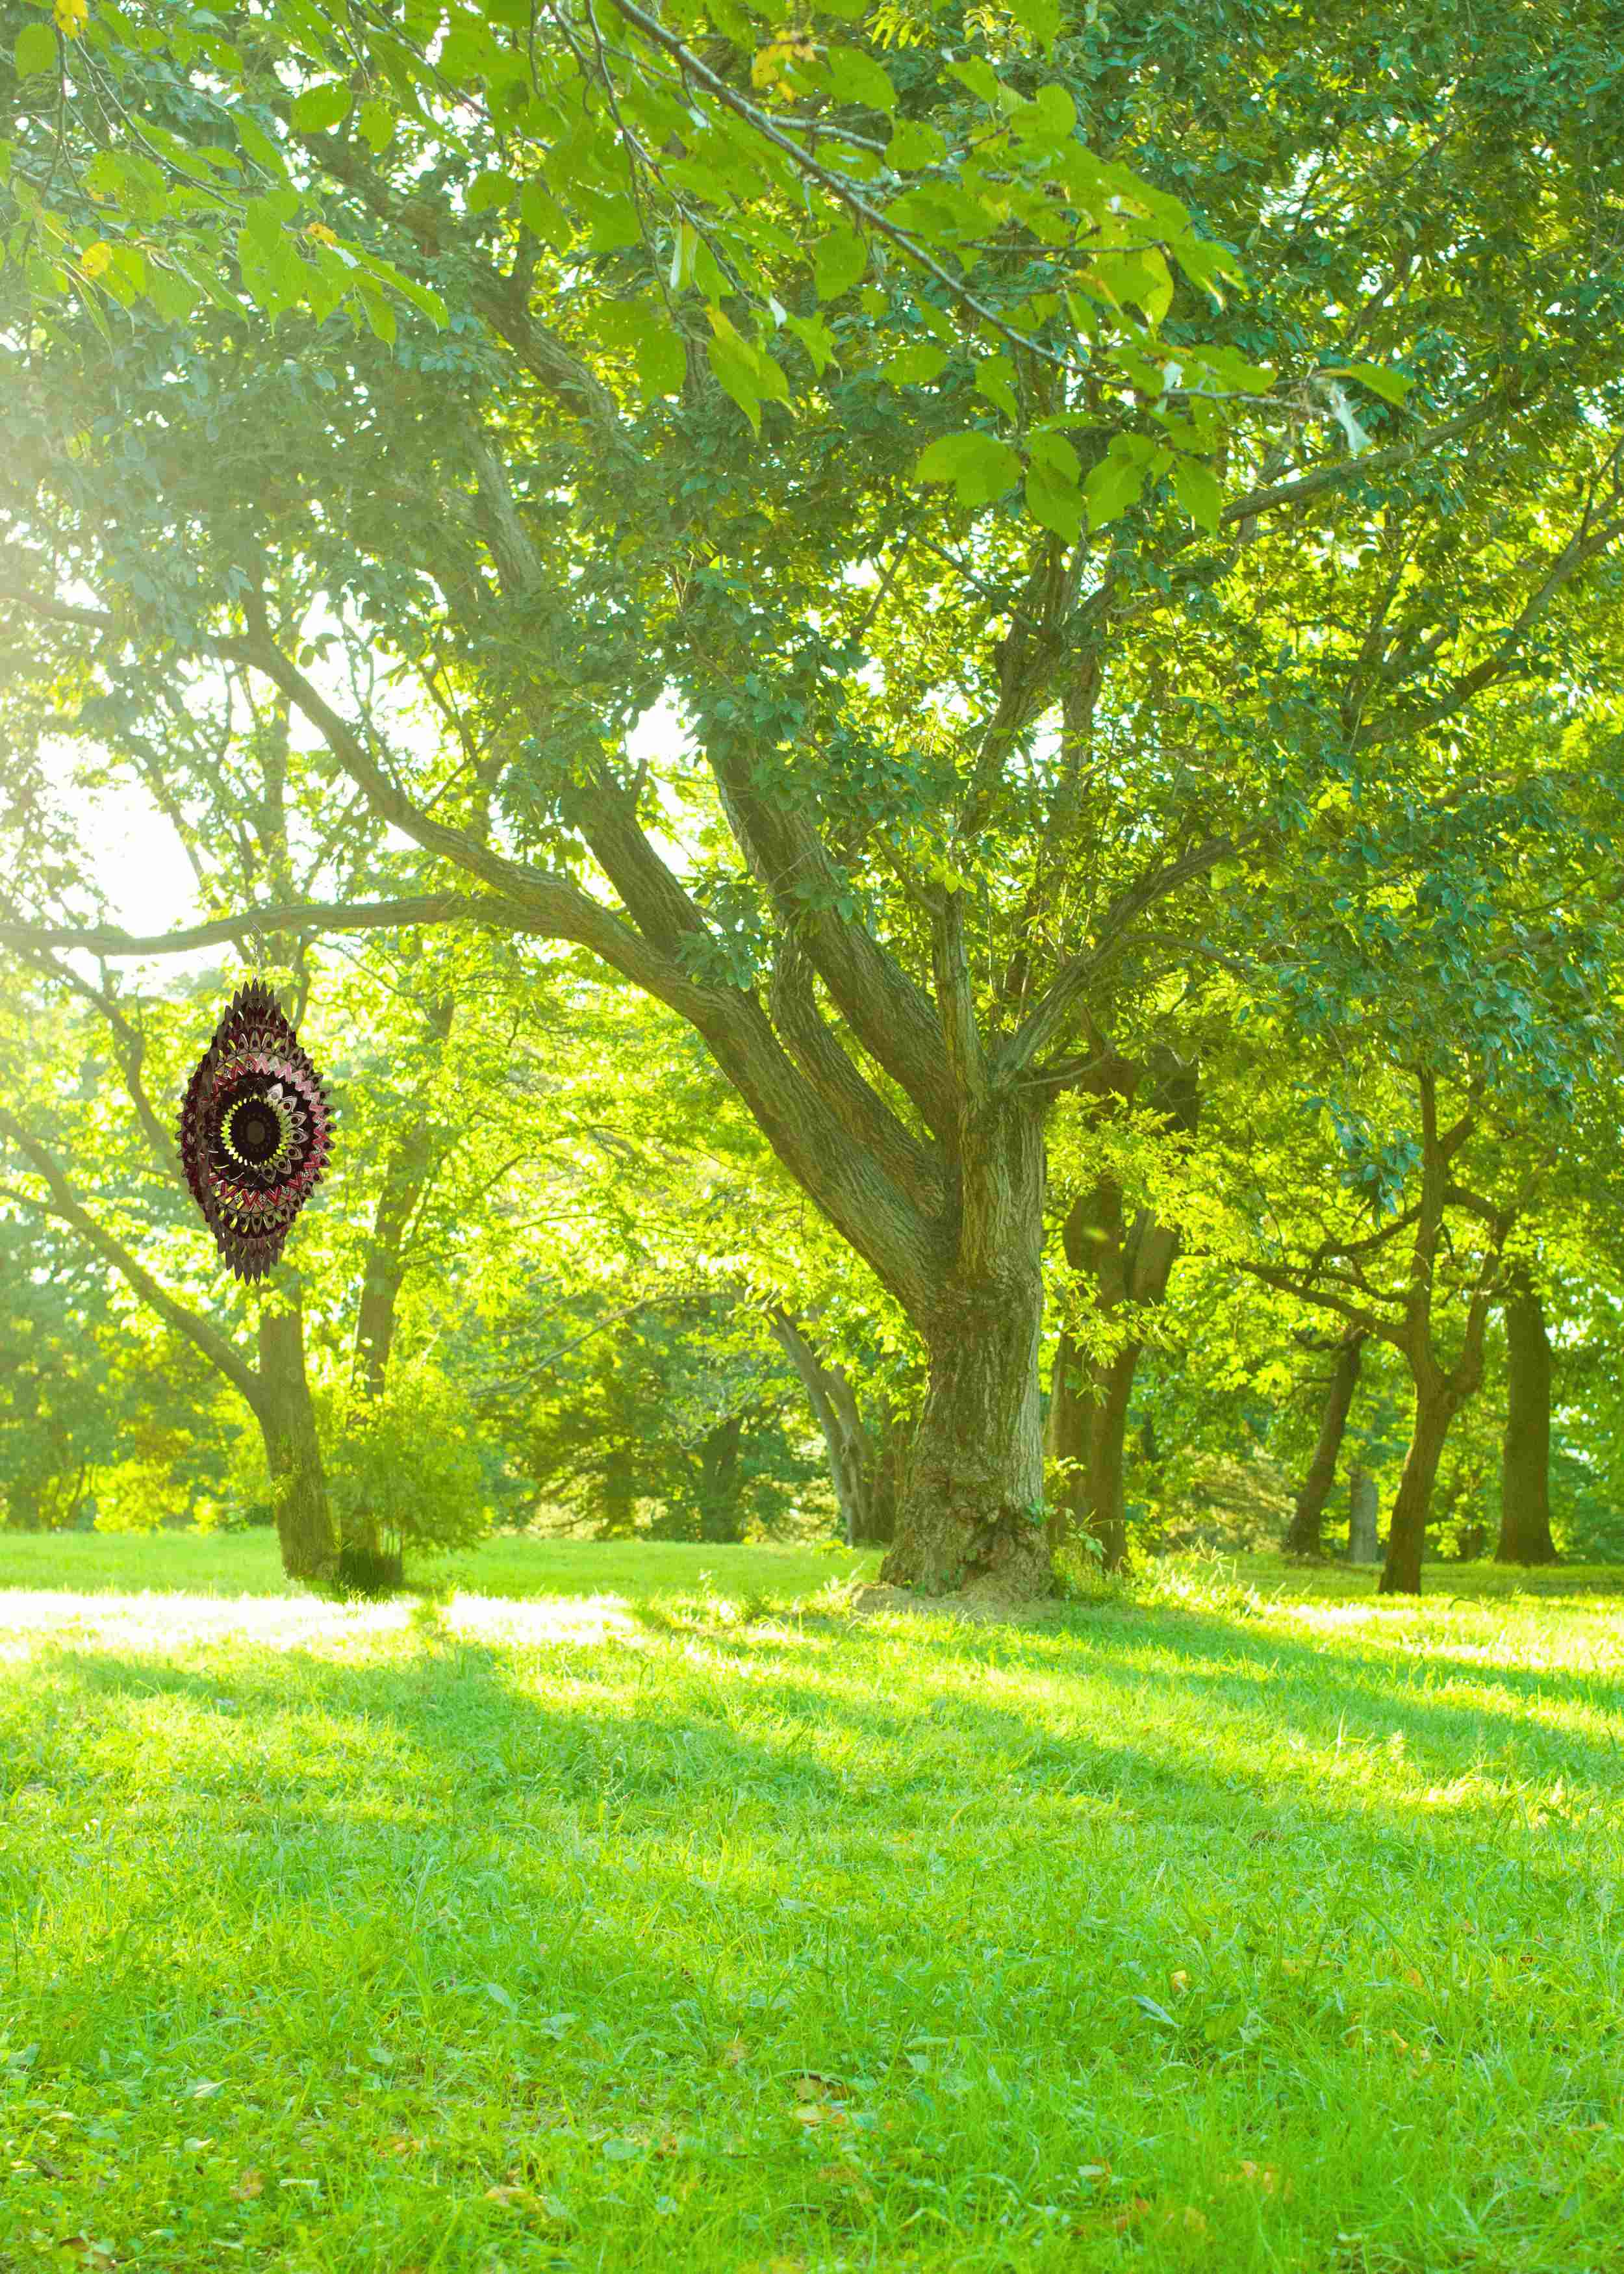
(716, 1930)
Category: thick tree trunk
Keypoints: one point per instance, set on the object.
(1435, 1408)
(971, 1509)
(1303, 1537)
(287, 1418)
(1525, 1451)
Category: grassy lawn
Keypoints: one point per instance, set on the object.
(592, 1923)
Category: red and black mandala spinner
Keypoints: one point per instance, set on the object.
(255, 1130)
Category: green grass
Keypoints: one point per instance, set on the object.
(247, 1563)
(1241, 1924)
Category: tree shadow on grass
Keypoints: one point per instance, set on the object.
(579, 1900)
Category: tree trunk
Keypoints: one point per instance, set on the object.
(1364, 1509)
(1088, 1431)
(972, 1508)
(890, 1476)
(1302, 1539)
(405, 1175)
(719, 1480)
(861, 1470)
(1435, 1408)
(287, 1418)
(1525, 1451)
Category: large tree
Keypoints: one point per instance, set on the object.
(960, 769)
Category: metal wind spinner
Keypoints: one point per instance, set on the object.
(255, 1130)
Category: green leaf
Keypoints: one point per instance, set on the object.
(1049, 117)
(1196, 487)
(735, 375)
(1391, 386)
(644, 327)
(855, 77)
(259, 144)
(912, 143)
(1055, 502)
(980, 77)
(321, 108)
(995, 378)
(980, 466)
(379, 314)
(544, 215)
(816, 336)
(34, 50)
(1041, 18)
(1047, 449)
(837, 261)
(916, 365)
(1112, 487)
(376, 121)
(173, 295)
(488, 190)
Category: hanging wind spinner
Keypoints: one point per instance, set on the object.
(254, 1131)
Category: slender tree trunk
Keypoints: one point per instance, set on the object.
(405, 1174)
(1436, 1406)
(1127, 1262)
(1302, 1539)
(857, 1464)
(1525, 1451)
(1364, 1511)
(971, 1512)
(1087, 1431)
(891, 1471)
(287, 1418)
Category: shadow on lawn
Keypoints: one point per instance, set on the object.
(462, 1723)
(617, 1852)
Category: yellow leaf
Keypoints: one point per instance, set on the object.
(97, 259)
(251, 2184)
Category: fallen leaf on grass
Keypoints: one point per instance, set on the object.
(1180, 1982)
(1264, 2177)
(251, 2184)
(809, 2085)
(508, 2196)
(735, 2053)
(88, 2251)
(819, 2112)
(847, 2176)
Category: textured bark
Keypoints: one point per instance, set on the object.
(971, 1513)
(1303, 1537)
(287, 1418)
(1525, 1451)
(971, 1509)
(1363, 1514)
(1436, 1404)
